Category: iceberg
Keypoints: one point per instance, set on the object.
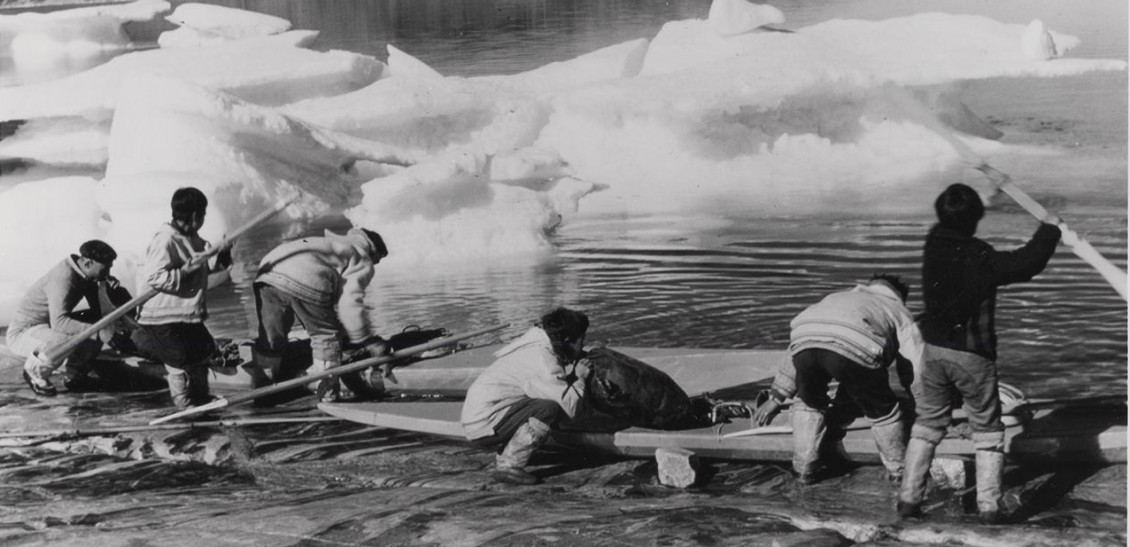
(1037, 42)
(201, 24)
(268, 70)
(449, 209)
(41, 223)
(732, 17)
(694, 120)
(38, 40)
(246, 158)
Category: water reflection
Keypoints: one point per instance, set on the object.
(737, 284)
(477, 37)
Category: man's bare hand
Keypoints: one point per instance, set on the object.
(765, 413)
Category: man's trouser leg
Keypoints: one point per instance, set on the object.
(979, 388)
(265, 368)
(933, 414)
(870, 389)
(808, 413)
(199, 390)
(80, 362)
(325, 332)
(276, 317)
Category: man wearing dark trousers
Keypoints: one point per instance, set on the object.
(960, 277)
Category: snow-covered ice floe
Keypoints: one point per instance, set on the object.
(34, 40)
(725, 113)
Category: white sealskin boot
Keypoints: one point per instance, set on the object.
(808, 434)
(990, 472)
(890, 439)
(511, 463)
(178, 387)
(327, 390)
(37, 375)
(919, 454)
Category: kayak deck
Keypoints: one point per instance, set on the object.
(1047, 435)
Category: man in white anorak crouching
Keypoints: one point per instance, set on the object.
(48, 315)
(321, 282)
(853, 337)
(529, 388)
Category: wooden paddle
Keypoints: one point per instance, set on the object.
(1113, 274)
(61, 350)
(331, 373)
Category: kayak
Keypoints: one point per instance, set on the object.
(1086, 430)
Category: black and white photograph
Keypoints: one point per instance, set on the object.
(802, 273)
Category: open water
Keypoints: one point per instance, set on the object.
(729, 281)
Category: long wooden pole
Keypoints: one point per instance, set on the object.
(54, 354)
(331, 373)
(1111, 273)
(114, 430)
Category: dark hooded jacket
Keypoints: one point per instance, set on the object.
(960, 276)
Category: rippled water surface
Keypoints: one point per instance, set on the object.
(731, 281)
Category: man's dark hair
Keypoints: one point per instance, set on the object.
(959, 208)
(379, 249)
(98, 251)
(564, 325)
(895, 282)
(188, 203)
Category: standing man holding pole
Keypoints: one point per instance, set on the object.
(960, 277)
(171, 323)
(47, 315)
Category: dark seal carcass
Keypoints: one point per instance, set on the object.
(637, 393)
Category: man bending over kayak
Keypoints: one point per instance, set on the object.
(853, 337)
(321, 282)
(513, 404)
